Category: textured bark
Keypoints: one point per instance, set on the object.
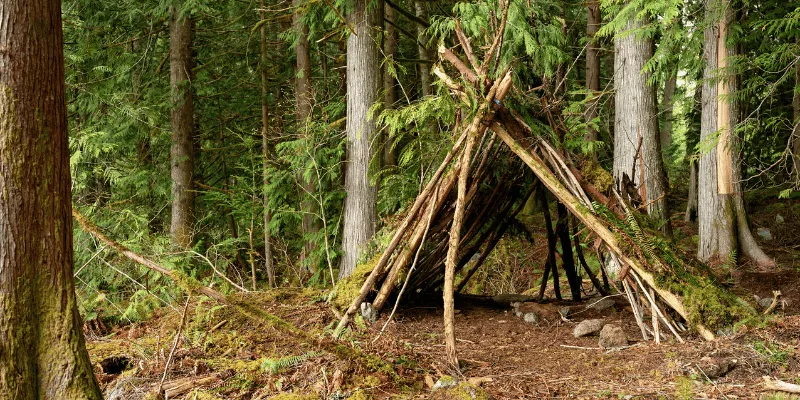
(389, 89)
(722, 222)
(182, 148)
(363, 85)
(796, 130)
(303, 99)
(666, 109)
(636, 122)
(42, 349)
(592, 67)
(266, 150)
(421, 8)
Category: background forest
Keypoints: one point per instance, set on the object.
(217, 137)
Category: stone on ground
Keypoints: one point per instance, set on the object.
(531, 318)
(612, 336)
(588, 327)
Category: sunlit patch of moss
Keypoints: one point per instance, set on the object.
(360, 395)
(294, 396)
(462, 391)
(597, 175)
(348, 288)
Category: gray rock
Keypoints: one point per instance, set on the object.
(612, 336)
(368, 312)
(602, 304)
(588, 327)
(518, 314)
(564, 311)
(765, 302)
(531, 318)
(779, 218)
(765, 234)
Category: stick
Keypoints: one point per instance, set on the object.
(635, 307)
(779, 385)
(92, 229)
(174, 345)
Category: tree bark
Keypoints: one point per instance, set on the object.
(592, 68)
(182, 148)
(303, 100)
(666, 108)
(42, 349)
(421, 8)
(266, 150)
(722, 222)
(796, 129)
(637, 150)
(363, 85)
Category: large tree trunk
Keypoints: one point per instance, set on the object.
(266, 149)
(637, 149)
(421, 8)
(666, 107)
(363, 85)
(42, 349)
(592, 67)
(723, 227)
(303, 98)
(796, 130)
(182, 148)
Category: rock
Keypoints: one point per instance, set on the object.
(564, 311)
(446, 381)
(612, 336)
(765, 234)
(463, 390)
(531, 318)
(368, 312)
(518, 314)
(602, 304)
(763, 302)
(779, 218)
(588, 327)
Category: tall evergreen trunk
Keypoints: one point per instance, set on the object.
(389, 89)
(266, 150)
(363, 85)
(592, 68)
(796, 129)
(182, 148)
(722, 222)
(637, 149)
(666, 108)
(421, 8)
(42, 349)
(303, 98)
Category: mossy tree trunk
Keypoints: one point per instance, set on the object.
(42, 350)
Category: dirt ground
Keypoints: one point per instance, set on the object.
(222, 354)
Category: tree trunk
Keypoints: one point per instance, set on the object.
(421, 8)
(722, 221)
(592, 68)
(796, 130)
(266, 149)
(666, 107)
(363, 85)
(637, 150)
(42, 349)
(389, 90)
(303, 98)
(181, 149)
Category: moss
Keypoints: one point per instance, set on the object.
(360, 395)
(348, 288)
(462, 391)
(597, 176)
(294, 396)
(186, 282)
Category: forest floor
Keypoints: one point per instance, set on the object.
(224, 354)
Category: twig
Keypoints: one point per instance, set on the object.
(779, 385)
(221, 275)
(174, 345)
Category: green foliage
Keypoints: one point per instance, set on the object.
(275, 365)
